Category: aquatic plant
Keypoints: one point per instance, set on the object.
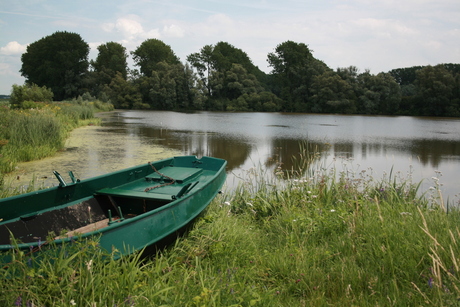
(31, 134)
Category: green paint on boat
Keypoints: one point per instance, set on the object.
(127, 209)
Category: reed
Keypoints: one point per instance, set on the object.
(333, 237)
(31, 134)
(34, 135)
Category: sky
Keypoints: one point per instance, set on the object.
(375, 35)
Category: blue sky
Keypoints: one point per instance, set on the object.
(378, 35)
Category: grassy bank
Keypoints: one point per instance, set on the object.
(328, 238)
(31, 134)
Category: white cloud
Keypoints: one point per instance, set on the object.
(129, 27)
(13, 48)
(154, 33)
(5, 69)
(173, 31)
(132, 30)
(108, 27)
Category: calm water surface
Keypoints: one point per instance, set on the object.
(421, 147)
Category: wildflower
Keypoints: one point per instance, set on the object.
(406, 213)
(18, 301)
(332, 210)
(430, 282)
(227, 203)
(88, 264)
(129, 301)
(72, 302)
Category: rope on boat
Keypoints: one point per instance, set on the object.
(162, 175)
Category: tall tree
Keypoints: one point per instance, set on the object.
(124, 93)
(213, 62)
(379, 94)
(59, 62)
(405, 76)
(294, 68)
(150, 53)
(111, 59)
(224, 55)
(436, 91)
(332, 94)
(203, 63)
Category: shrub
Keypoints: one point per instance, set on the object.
(24, 96)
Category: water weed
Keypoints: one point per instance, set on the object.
(31, 134)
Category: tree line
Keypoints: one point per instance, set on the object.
(222, 77)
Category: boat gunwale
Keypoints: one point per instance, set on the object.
(125, 222)
(41, 191)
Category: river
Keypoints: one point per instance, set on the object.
(421, 148)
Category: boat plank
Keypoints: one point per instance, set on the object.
(86, 229)
(134, 194)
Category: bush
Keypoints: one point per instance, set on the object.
(25, 96)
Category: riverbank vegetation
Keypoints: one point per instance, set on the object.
(329, 237)
(32, 128)
(222, 77)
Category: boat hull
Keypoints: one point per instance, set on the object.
(127, 210)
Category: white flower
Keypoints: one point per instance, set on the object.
(72, 302)
(227, 203)
(332, 210)
(406, 213)
(88, 264)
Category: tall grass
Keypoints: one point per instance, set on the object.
(328, 238)
(34, 135)
(31, 134)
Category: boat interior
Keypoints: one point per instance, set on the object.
(105, 207)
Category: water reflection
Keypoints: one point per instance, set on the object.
(415, 146)
(91, 151)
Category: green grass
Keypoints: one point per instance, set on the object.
(32, 134)
(327, 238)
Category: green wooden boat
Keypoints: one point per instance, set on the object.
(129, 209)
